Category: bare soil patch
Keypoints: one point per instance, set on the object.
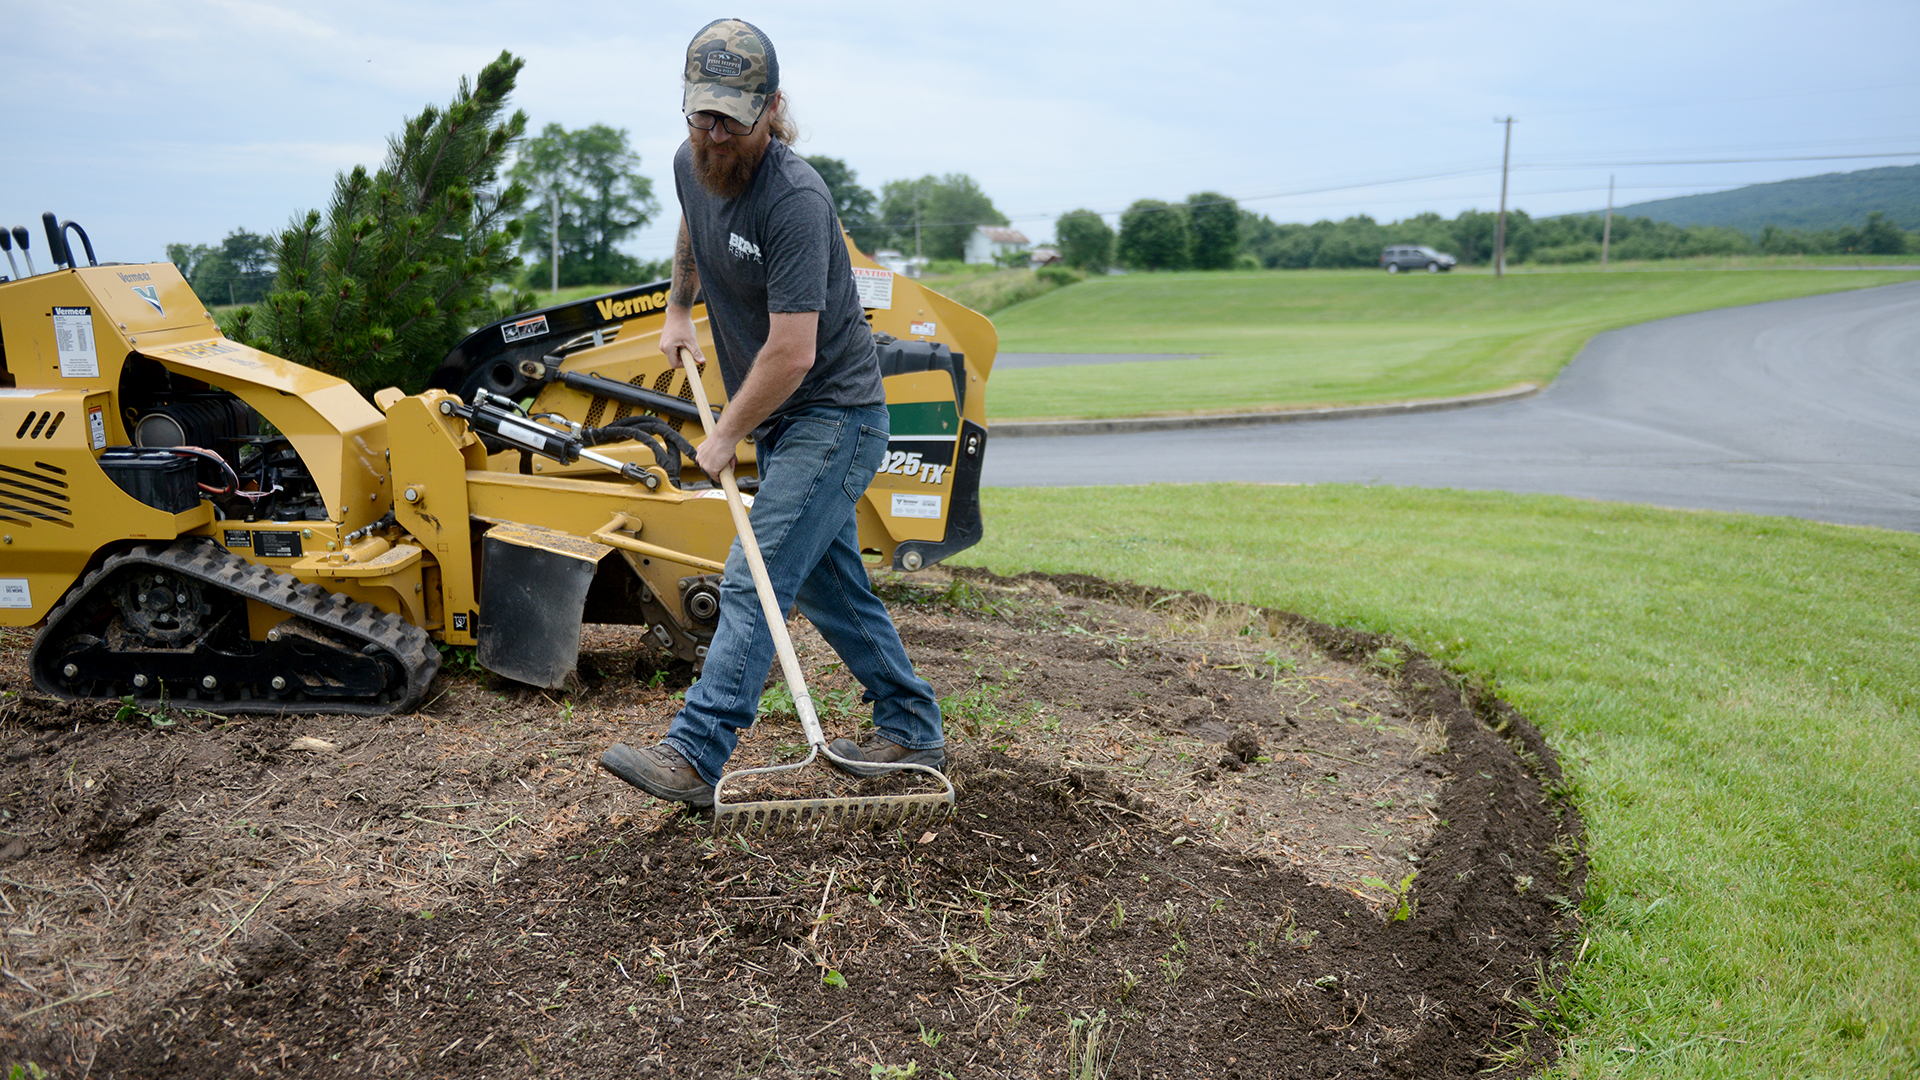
(1185, 833)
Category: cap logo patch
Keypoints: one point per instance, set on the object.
(722, 64)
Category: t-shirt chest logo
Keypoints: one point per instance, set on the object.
(742, 248)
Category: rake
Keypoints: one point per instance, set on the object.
(768, 815)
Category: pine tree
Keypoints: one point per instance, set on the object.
(380, 288)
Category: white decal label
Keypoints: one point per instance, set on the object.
(14, 593)
(924, 329)
(525, 328)
(916, 506)
(875, 287)
(742, 248)
(97, 426)
(73, 337)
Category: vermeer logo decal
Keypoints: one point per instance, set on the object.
(741, 248)
(621, 309)
(151, 294)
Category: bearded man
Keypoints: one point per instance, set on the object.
(760, 241)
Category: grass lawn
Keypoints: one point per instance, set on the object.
(1310, 338)
(1736, 698)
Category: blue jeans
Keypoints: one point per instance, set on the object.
(814, 466)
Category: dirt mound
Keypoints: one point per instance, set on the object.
(1193, 839)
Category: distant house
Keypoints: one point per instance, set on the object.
(1042, 256)
(904, 265)
(988, 242)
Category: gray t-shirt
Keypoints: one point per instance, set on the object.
(778, 248)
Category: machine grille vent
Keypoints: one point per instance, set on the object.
(40, 425)
(38, 494)
(622, 410)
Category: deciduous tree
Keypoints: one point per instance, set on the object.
(1215, 219)
(946, 208)
(238, 271)
(1154, 235)
(595, 176)
(1085, 239)
(1882, 237)
(855, 204)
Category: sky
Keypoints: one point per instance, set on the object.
(162, 121)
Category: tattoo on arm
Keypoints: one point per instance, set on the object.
(686, 277)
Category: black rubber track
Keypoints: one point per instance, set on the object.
(406, 644)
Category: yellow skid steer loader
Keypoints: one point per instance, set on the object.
(187, 518)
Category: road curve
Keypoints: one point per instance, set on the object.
(1807, 408)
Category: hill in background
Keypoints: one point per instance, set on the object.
(1810, 203)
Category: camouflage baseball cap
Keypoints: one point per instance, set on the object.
(731, 70)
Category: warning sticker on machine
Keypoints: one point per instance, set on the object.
(525, 328)
(73, 338)
(916, 506)
(15, 593)
(924, 329)
(874, 286)
(97, 425)
(276, 545)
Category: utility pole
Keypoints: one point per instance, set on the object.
(916, 225)
(553, 199)
(1606, 231)
(1500, 224)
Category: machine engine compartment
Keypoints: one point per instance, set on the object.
(246, 469)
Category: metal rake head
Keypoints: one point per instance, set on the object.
(763, 816)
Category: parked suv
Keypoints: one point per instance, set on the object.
(1411, 257)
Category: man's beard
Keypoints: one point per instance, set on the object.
(727, 176)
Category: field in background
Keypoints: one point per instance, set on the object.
(1718, 262)
(1733, 697)
(1274, 340)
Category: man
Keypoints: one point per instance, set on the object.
(758, 236)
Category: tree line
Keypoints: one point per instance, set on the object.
(1210, 231)
(1561, 240)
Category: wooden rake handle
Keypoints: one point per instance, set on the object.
(762, 584)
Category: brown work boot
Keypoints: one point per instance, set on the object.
(883, 751)
(660, 771)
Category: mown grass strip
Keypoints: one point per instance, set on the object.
(1736, 700)
(1313, 338)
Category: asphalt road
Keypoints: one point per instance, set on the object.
(1806, 408)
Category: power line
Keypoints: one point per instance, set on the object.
(1742, 99)
(1712, 161)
